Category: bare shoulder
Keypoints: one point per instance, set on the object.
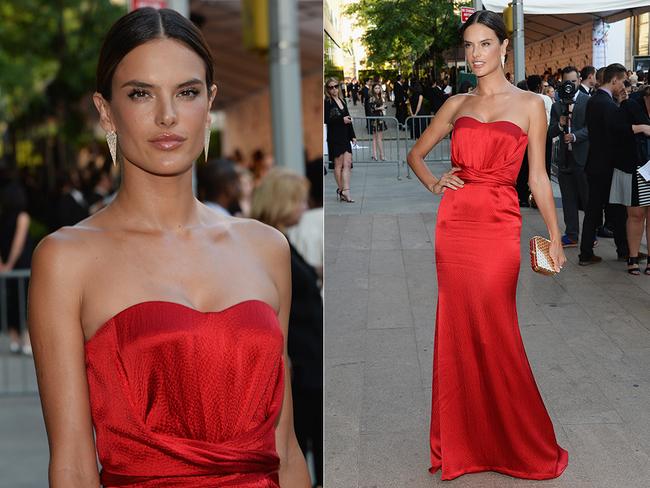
(455, 102)
(530, 99)
(452, 107)
(269, 242)
(63, 248)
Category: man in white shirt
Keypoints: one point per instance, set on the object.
(587, 80)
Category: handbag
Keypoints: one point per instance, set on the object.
(540, 256)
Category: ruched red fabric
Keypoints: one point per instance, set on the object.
(183, 398)
(487, 412)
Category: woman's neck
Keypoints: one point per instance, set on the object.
(156, 203)
(493, 84)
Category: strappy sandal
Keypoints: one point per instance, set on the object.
(338, 194)
(647, 270)
(633, 266)
(345, 198)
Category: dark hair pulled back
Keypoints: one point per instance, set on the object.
(489, 19)
(143, 25)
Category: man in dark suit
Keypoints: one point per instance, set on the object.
(400, 102)
(365, 91)
(572, 155)
(607, 125)
(587, 80)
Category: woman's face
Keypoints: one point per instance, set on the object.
(483, 50)
(159, 106)
(377, 90)
(332, 89)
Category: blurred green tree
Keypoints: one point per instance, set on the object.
(403, 31)
(48, 56)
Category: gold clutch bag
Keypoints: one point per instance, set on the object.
(540, 257)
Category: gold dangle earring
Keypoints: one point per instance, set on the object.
(207, 142)
(111, 139)
(467, 66)
(503, 61)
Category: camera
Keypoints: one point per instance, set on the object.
(567, 91)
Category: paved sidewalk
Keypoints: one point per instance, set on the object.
(586, 332)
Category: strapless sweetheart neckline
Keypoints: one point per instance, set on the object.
(491, 122)
(124, 311)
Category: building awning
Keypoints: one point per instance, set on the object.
(545, 18)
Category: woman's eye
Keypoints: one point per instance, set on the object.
(485, 44)
(135, 94)
(191, 92)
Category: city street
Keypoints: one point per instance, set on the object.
(586, 332)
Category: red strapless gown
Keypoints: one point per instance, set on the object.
(487, 413)
(182, 398)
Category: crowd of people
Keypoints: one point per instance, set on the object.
(598, 133)
(597, 141)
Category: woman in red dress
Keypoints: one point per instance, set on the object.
(487, 413)
(157, 321)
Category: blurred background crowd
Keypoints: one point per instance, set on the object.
(55, 168)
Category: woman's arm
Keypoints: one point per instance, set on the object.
(293, 468)
(18, 241)
(538, 181)
(58, 344)
(439, 127)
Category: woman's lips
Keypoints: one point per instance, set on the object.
(167, 142)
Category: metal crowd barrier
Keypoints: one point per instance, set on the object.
(17, 375)
(365, 128)
(415, 125)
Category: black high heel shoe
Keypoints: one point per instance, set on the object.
(338, 194)
(633, 266)
(345, 198)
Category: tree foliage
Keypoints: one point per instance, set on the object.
(402, 31)
(48, 55)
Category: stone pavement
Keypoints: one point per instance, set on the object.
(586, 332)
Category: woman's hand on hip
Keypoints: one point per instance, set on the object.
(448, 180)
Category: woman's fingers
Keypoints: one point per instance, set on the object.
(457, 180)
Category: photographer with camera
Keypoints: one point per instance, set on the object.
(569, 125)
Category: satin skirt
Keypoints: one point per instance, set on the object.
(487, 412)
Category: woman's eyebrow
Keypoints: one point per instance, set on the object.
(142, 84)
(483, 40)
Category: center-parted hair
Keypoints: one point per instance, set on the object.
(489, 19)
(143, 25)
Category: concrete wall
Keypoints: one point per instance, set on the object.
(248, 123)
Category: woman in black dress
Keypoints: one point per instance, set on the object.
(339, 134)
(15, 253)
(416, 106)
(629, 188)
(376, 107)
